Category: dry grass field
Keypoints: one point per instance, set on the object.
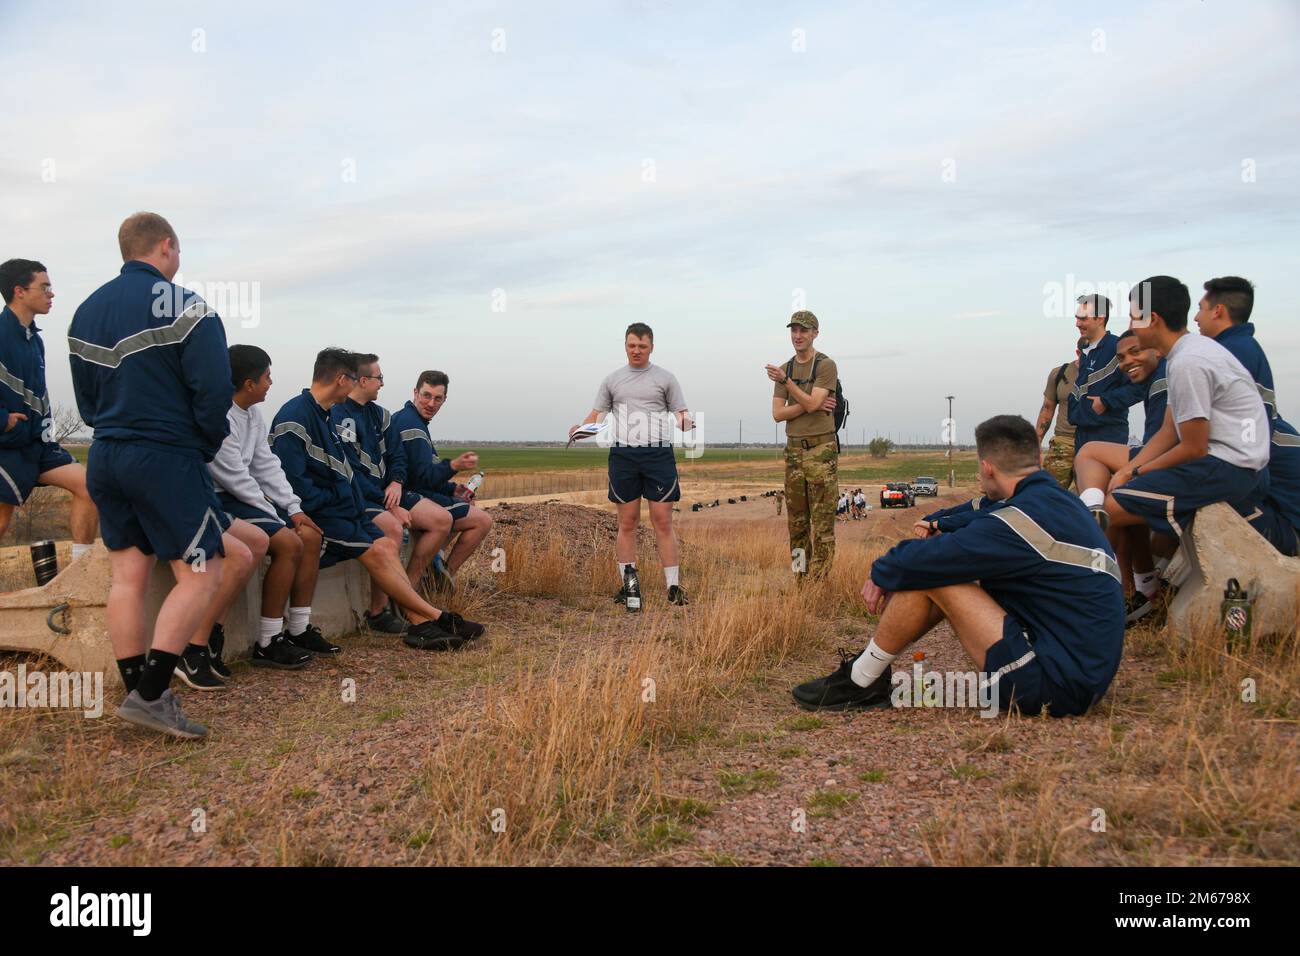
(578, 733)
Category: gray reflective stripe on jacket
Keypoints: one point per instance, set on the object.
(1061, 552)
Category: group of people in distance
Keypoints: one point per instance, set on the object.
(1038, 584)
(1028, 575)
(184, 468)
(852, 505)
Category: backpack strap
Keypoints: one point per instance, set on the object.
(1060, 374)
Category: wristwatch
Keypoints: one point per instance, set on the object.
(1137, 470)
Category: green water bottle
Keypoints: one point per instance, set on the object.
(1235, 614)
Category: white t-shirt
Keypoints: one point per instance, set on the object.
(641, 402)
(1207, 381)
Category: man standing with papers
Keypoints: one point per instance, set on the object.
(645, 401)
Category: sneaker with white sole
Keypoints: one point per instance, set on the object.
(281, 654)
(195, 668)
(216, 645)
(163, 715)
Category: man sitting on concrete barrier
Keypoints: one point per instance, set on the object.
(252, 487)
(1224, 315)
(317, 468)
(374, 447)
(430, 476)
(1031, 589)
(152, 378)
(1099, 460)
(1214, 440)
(29, 455)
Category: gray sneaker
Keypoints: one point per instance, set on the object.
(163, 715)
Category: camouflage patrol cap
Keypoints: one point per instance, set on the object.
(805, 319)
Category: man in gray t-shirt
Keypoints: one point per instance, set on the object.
(643, 402)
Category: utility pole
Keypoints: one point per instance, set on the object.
(952, 471)
(741, 440)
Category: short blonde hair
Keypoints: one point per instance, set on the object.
(141, 233)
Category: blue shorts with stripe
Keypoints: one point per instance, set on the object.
(1115, 434)
(345, 537)
(409, 500)
(643, 472)
(21, 469)
(1015, 675)
(1168, 499)
(458, 509)
(255, 516)
(155, 498)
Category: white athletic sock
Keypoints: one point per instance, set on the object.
(1148, 583)
(673, 575)
(870, 665)
(270, 627)
(78, 550)
(1093, 497)
(299, 617)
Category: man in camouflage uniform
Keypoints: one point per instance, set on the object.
(804, 398)
(1059, 457)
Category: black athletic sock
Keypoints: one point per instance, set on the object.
(131, 668)
(157, 674)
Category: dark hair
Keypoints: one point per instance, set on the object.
(432, 378)
(1126, 333)
(248, 363)
(1164, 296)
(1008, 441)
(332, 362)
(1235, 294)
(365, 359)
(18, 272)
(641, 331)
(1099, 303)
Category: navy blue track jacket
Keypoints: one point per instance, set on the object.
(22, 382)
(304, 440)
(426, 473)
(1100, 377)
(374, 449)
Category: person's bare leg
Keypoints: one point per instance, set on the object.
(245, 546)
(661, 516)
(6, 514)
(304, 579)
(433, 521)
(385, 568)
(1163, 545)
(186, 603)
(392, 529)
(1121, 543)
(128, 631)
(286, 552)
(908, 616)
(629, 518)
(1096, 462)
(1139, 550)
(84, 518)
(473, 528)
(976, 618)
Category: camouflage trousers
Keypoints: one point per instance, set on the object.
(1059, 460)
(812, 487)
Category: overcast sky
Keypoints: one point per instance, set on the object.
(497, 190)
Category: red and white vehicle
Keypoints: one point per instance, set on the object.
(896, 494)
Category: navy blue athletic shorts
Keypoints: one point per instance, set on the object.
(157, 498)
(1116, 434)
(648, 472)
(1169, 499)
(458, 509)
(1133, 451)
(345, 537)
(21, 469)
(409, 500)
(1266, 518)
(255, 516)
(1015, 675)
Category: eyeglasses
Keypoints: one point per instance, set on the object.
(377, 378)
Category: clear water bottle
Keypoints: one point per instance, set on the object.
(473, 484)
(632, 588)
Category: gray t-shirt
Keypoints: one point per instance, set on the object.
(641, 403)
(1207, 381)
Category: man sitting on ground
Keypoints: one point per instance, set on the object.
(1214, 440)
(431, 476)
(375, 452)
(316, 465)
(251, 486)
(1044, 623)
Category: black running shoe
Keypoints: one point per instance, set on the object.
(429, 636)
(313, 640)
(1149, 609)
(677, 595)
(280, 653)
(385, 622)
(455, 625)
(836, 691)
(217, 644)
(195, 669)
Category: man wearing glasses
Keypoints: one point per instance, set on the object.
(317, 467)
(378, 460)
(430, 476)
